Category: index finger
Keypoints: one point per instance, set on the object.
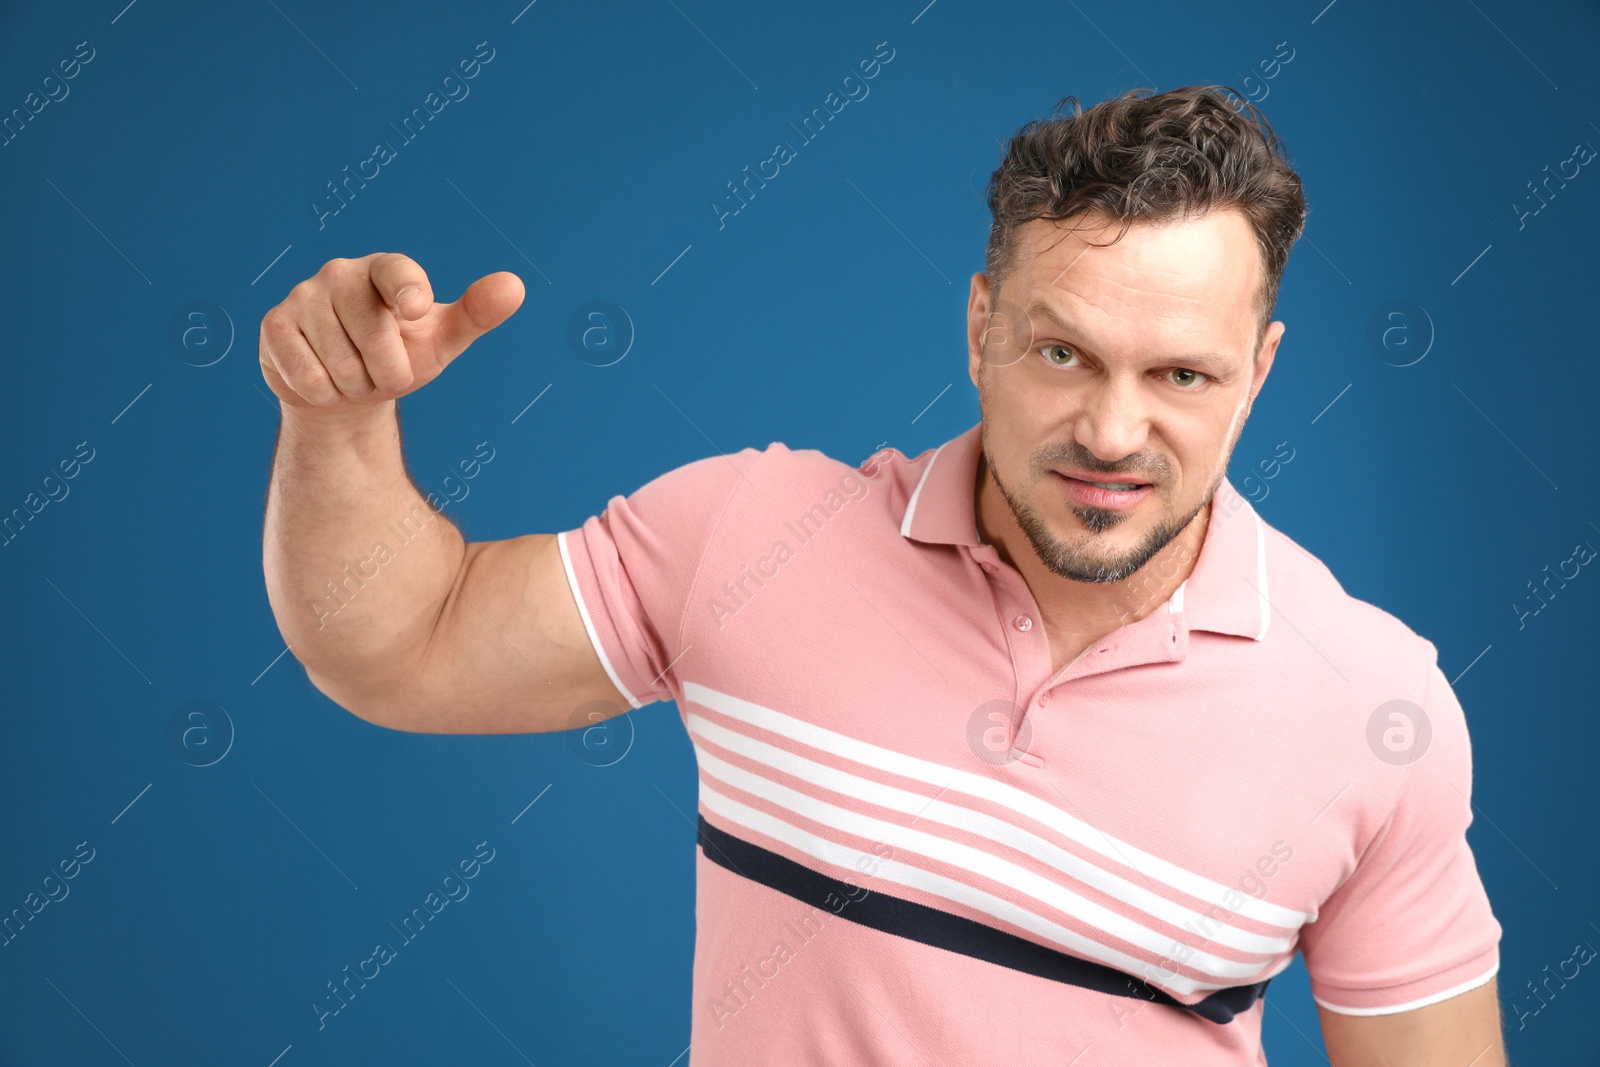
(394, 276)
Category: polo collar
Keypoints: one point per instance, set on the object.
(1226, 592)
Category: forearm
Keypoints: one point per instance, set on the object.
(358, 565)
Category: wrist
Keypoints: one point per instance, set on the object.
(350, 424)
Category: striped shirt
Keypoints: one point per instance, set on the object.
(919, 843)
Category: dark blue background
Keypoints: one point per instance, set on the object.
(828, 314)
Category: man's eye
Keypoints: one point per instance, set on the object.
(1068, 354)
(1195, 375)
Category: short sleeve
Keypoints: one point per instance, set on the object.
(631, 569)
(1412, 924)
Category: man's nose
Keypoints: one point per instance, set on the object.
(1113, 420)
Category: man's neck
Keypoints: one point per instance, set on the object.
(1078, 613)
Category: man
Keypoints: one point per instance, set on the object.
(1040, 747)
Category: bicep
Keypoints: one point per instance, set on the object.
(551, 632)
(1462, 1030)
(509, 651)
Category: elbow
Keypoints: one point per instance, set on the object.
(369, 704)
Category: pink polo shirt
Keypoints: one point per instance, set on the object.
(919, 844)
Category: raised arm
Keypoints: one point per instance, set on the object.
(393, 615)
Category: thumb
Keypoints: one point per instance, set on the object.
(487, 303)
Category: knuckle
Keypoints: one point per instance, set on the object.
(304, 383)
(330, 273)
(309, 293)
(376, 338)
(277, 327)
(341, 360)
(295, 365)
(397, 381)
(312, 382)
(315, 301)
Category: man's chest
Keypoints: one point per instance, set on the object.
(1166, 796)
(1160, 819)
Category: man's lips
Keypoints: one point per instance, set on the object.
(1107, 479)
(1087, 493)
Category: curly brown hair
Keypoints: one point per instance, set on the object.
(1146, 156)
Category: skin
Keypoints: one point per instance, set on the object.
(447, 637)
(1105, 391)
(1464, 1031)
(484, 637)
(1112, 388)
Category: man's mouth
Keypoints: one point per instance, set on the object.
(1119, 485)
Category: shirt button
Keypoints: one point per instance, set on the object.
(1023, 623)
(1044, 699)
(990, 567)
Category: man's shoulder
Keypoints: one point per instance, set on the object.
(754, 482)
(749, 468)
(1342, 626)
(885, 459)
(790, 476)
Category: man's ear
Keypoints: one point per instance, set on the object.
(1269, 351)
(978, 305)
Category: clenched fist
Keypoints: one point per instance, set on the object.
(361, 332)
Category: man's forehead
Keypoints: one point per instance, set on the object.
(1054, 254)
(1050, 248)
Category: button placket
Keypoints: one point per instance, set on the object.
(1030, 655)
(1033, 667)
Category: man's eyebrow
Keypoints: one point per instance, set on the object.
(1209, 361)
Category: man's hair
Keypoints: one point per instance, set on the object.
(1151, 158)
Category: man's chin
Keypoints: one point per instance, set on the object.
(1086, 555)
(1095, 521)
(1096, 570)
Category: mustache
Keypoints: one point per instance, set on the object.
(1154, 472)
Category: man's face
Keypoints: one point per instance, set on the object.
(1130, 362)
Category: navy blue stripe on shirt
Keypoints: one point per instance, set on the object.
(954, 933)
